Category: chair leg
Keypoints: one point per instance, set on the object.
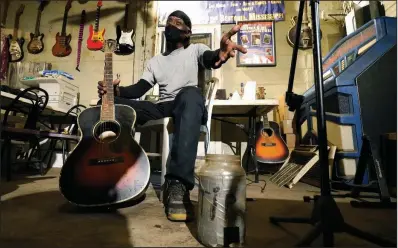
(53, 143)
(63, 151)
(6, 158)
(165, 155)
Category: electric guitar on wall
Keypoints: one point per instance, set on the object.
(306, 40)
(15, 43)
(36, 44)
(108, 166)
(95, 40)
(62, 46)
(270, 147)
(125, 44)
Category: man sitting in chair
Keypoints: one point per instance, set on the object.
(176, 72)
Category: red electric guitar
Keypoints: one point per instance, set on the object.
(95, 39)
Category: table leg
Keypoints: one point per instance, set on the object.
(252, 152)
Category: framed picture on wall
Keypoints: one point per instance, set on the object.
(258, 37)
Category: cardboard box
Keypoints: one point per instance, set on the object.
(288, 115)
(290, 140)
(287, 126)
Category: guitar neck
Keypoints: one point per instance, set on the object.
(126, 13)
(63, 32)
(305, 17)
(16, 26)
(107, 107)
(266, 122)
(38, 19)
(97, 16)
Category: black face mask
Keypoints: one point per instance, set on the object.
(173, 34)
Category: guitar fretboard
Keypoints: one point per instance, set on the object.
(97, 17)
(107, 107)
(79, 45)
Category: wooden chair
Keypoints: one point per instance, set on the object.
(165, 127)
(65, 136)
(29, 133)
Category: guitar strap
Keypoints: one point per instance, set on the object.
(80, 40)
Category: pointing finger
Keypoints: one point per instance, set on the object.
(233, 31)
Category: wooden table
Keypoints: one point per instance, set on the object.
(243, 108)
(251, 109)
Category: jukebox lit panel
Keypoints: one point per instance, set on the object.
(370, 51)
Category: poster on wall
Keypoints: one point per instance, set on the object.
(258, 37)
(222, 12)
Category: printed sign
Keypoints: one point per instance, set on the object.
(223, 12)
(258, 37)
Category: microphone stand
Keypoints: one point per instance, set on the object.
(326, 216)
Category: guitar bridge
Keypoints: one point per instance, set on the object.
(106, 161)
(268, 144)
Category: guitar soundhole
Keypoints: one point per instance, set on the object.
(268, 132)
(107, 131)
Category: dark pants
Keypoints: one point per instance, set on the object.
(189, 113)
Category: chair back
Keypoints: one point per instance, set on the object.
(73, 112)
(33, 110)
(211, 87)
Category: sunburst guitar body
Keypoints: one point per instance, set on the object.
(107, 167)
(270, 147)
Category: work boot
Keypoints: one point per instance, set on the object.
(178, 206)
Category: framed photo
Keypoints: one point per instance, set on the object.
(258, 37)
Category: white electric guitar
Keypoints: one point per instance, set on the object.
(15, 43)
(125, 43)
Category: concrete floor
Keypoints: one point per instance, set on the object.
(34, 214)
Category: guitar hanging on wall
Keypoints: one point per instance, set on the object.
(36, 44)
(95, 40)
(270, 147)
(15, 43)
(125, 43)
(79, 44)
(62, 46)
(107, 166)
(306, 39)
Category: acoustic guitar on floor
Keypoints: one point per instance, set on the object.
(107, 167)
(95, 40)
(270, 147)
(62, 46)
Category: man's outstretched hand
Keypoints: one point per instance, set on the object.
(228, 47)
